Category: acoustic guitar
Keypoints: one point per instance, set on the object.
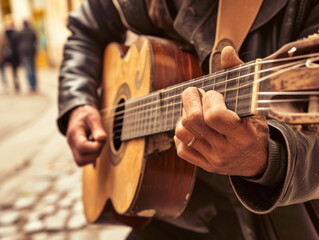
(138, 173)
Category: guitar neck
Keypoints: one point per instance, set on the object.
(159, 111)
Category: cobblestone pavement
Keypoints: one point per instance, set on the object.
(48, 206)
(40, 186)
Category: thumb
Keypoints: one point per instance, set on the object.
(229, 58)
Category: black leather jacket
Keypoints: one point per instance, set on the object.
(292, 176)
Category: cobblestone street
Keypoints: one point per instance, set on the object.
(40, 185)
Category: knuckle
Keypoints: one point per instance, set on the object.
(178, 128)
(181, 151)
(181, 132)
(92, 116)
(213, 94)
(219, 164)
(188, 91)
(80, 162)
(182, 154)
(195, 116)
(209, 168)
(211, 115)
(84, 160)
(188, 94)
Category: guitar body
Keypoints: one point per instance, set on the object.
(140, 177)
(138, 174)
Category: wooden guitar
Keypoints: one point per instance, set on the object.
(138, 171)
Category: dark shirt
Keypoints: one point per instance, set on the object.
(27, 42)
(12, 36)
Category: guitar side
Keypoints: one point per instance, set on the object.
(143, 176)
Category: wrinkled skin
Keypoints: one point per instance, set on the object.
(225, 144)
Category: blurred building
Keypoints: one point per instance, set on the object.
(48, 18)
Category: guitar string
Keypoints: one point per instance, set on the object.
(254, 63)
(194, 81)
(276, 73)
(143, 130)
(173, 110)
(267, 93)
(178, 111)
(243, 66)
(132, 114)
(127, 114)
(229, 101)
(130, 111)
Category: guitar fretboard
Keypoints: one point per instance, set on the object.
(159, 111)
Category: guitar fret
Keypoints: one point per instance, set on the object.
(219, 83)
(231, 89)
(153, 115)
(245, 89)
(144, 118)
(225, 83)
(237, 91)
(135, 120)
(165, 109)
(173, 108)
(169, 110)
(160, 111)
(208, 83)
(178, 111)
(148, 116)
(140, 117)
(137, 107)
(197, 84)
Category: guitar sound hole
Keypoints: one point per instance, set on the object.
(117, 125)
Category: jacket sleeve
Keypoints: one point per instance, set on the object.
(93, 25)
(292, 154)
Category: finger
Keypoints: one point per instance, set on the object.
(193, 119)
(83, 150)
(190, 154)
(83, 145)
(182, 133)
(229, 58)
(217, 116)
(94, 122)
(82, 160)
(199, 143)
(201, 92)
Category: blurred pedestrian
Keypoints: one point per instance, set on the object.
(3, 51)
(27, 51)
(12, 56)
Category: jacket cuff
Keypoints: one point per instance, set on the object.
(260, 195)
(276, 168)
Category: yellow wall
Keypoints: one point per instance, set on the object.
(56, 20)
(75, 3)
